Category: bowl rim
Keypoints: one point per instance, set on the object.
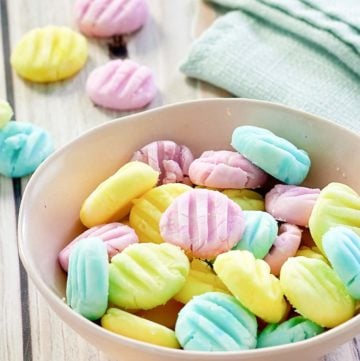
(57, 304)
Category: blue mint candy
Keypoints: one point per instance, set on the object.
(293, 330)
(342, 248)
(23, 146)
(87, 286)
(215, 321)
(260, 233)
(273, 154)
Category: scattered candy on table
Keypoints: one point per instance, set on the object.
(121, 85)
(104, 18)
(6, 113)
(211, 262)
(49, 54)
(23, 147)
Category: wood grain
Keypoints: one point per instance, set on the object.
(65, 111)
(10, 302)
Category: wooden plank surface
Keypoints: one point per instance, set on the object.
(10, 299)
(65, 111)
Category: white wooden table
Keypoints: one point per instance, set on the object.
(28, 327)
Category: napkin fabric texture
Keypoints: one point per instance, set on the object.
(301, 53)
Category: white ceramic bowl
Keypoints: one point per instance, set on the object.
(59, 186)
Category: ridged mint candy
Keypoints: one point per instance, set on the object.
(337, 205)
(87, 285)
(250, 281)
(216, 322)
(273, 154)
(203, 222)
(342, 248)
(147, 210)
(146, 275)
(260, 233)
(315, 290)
(293, 330)
(6, 113)
(23, 146)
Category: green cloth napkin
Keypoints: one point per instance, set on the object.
(302, 53)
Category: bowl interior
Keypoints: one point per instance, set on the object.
(49, 215)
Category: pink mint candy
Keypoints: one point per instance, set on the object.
(202, 222)
(168, 158)
(285, 246)
(116, 237)
(105, 18)
(121, 85)
(226, 169)
(292, 204)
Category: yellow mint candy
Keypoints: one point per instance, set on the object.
(125, 221)
(311, 252)
(146, 275)
(357, 308)
(147, 210)
(49, 54)
(129, 325)
(201, 279)
(336, 205)
(251, 282)
(112, 199)
(165, 315)
(247, 199)
(6, 113)
(316, 291)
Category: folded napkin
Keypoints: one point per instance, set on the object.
(302, 53)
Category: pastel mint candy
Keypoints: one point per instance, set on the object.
(6, 113)
(147, 275)
(87, 285)
(315, 290)
(342, 248)
(273, 154)
(260, 233)
(337, 205)
(23, 146)
(293, 330)
(251, 283)
(215, 321)
(247, 199)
